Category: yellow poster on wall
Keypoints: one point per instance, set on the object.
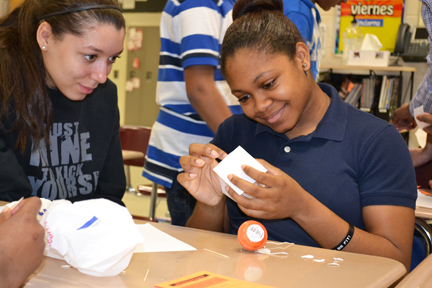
(378, 17)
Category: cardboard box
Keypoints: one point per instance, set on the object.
(368, 58)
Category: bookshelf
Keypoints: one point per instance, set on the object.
(390, 82)
(386, 77)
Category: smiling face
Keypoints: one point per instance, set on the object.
(272, 89)
(76, 65)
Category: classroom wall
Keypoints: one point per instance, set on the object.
(4, 7)
(132, 19)
(14, 3)
(411, 16)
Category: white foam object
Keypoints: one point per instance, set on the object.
(95, 236)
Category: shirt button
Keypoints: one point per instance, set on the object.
(287, 149)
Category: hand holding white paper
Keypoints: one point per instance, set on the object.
(419, 111)
(95, 236)
(231, 164)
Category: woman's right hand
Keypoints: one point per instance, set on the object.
(198, 177)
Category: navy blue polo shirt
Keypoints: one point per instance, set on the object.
(352, 160)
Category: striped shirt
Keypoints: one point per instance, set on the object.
(191, 34)
(424, 92)
(305, 16)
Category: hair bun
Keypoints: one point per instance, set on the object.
(242, 7)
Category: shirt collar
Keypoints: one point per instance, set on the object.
(333, 124)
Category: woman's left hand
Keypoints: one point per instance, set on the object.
(280, 198)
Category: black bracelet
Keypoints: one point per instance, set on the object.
(346, 240)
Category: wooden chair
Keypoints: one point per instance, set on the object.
(136, 217)
(422, 227)
(423, 175)
(136, 139)
(420, 277)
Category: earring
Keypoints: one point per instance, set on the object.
(43, 47)
(306, 73)
(304, 65)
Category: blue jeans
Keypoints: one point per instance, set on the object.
(180, 203)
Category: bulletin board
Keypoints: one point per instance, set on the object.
(379, 17)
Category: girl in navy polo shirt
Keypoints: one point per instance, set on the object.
(337, 178)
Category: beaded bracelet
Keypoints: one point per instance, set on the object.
(346, 240)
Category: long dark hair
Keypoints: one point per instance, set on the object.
(260, 25)
(23, 91)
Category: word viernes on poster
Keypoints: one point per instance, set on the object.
(377, 17)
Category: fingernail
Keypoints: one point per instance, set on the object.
(230, 176)
(5, 209)
(214, 153)
(200, 162)
(192, 175)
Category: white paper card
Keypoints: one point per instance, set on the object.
(423, 200)
(232, 165)
(419, 111)
(158, 241)
(223, 185)
(421, 136)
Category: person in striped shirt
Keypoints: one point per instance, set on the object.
(305, 16)
(193, 95)
(403, 117)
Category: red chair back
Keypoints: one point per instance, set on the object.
(135, 138)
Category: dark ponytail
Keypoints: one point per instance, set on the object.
(260, 25)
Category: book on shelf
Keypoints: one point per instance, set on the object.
(382, 92)
(375, 94)
(368, 93)
(389, 94)
(393, 103)
(354, 95)
(363, 101)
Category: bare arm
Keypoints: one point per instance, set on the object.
(388, 229)
(212, 218)
(422, 156)
(203, 183)
(402, 118)
(21, 242)
(204, 96)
